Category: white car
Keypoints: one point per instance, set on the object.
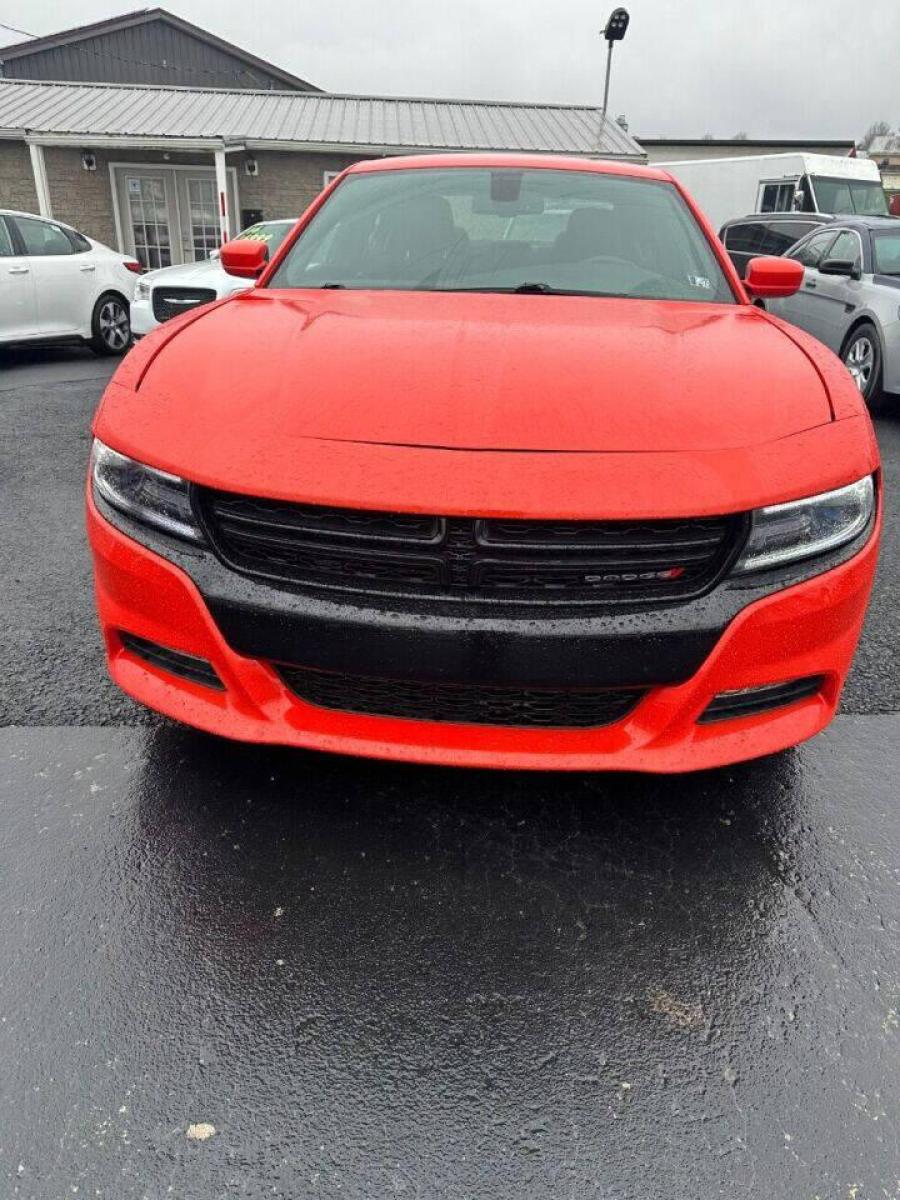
(57, 284)
(170, 291)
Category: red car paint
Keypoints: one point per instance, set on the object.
(491, 405)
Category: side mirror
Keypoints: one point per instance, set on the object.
(244, 257)
(214, 256)
(840, 266)
(773, 278)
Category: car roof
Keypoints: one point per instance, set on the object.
(855, 221)
(14, 212)
(818, 218)
(549, 162)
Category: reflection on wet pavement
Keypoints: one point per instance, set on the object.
(371, 979)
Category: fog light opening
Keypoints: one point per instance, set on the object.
(750, 702)
(173, 662)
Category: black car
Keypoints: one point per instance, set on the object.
(767, 233)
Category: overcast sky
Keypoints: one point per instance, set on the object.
(777, 68)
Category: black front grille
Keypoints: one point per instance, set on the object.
(464, 704)
(169, 302)
(465, 558)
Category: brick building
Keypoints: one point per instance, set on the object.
(166, 172)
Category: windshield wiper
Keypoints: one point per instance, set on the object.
(524, 289)
(330, 285)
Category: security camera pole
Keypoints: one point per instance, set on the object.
(614, 32)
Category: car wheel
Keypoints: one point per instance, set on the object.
(861, 356)
(110, 326)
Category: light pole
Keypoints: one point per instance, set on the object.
(614, 32)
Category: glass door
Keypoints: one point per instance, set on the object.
(170, 215)
(199, 205)
(150, 214)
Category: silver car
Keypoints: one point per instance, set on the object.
(850, 299)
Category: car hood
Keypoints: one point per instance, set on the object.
(201, 274)
(483, 372)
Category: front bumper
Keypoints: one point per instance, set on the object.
(735, 638)
(142, 318)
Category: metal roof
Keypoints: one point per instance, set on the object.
(101, 111)
(99, 32)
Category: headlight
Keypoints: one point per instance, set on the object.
(142, 290)
(785, 533)
(143, 493)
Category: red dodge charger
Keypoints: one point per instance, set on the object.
(498, 464)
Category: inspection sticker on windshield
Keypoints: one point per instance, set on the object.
(700, 281)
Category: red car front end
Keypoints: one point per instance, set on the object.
(514, 526)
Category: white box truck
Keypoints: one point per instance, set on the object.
(765, 183)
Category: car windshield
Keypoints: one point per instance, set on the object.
(850, 196)
(504, 230)
(272, 233)
(886, 250)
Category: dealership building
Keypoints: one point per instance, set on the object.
(153, 136)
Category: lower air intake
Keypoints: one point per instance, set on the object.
(173, 662)
(748, 702)
(463, 704)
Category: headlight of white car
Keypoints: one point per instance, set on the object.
(785, 533)
(143, 493)
(142, 290)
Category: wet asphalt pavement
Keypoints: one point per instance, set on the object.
(378, 980)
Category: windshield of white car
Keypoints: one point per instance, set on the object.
(886, 251)
(862, 196)
(272, 233)
(479, 229)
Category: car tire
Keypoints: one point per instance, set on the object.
(861, 355)
(110, 325)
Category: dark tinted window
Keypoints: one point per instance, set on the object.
(811, 251)
(42, 237)
(483, 229)
(6, 246)
(746, 238)
(778, 197)
(782, 235)
(78, 240)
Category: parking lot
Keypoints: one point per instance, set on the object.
(374, 980)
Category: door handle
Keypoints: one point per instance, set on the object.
(810, 284)
(87, 268)
(19, 270)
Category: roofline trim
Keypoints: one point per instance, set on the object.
(124, 141)
(173, 142)
(80, 33)
(749, 141)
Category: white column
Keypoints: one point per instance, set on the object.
(39, 169)
(222, 189)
